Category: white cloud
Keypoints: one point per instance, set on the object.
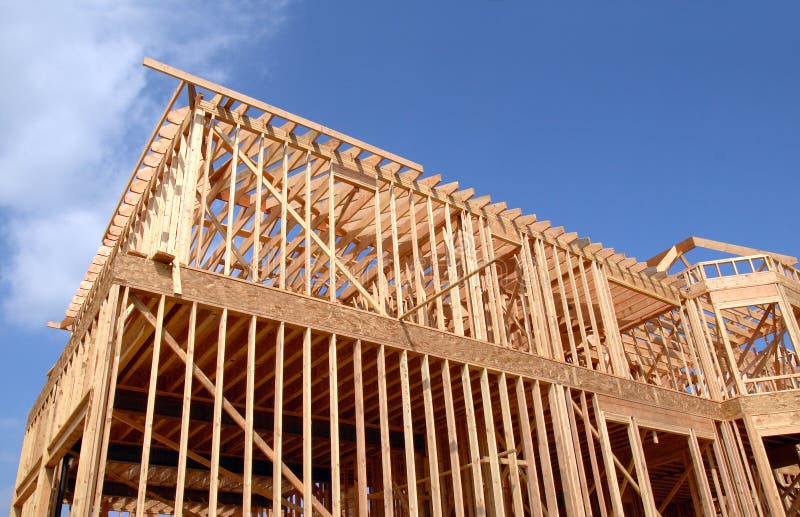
(76, 111)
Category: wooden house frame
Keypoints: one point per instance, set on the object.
(281, 316)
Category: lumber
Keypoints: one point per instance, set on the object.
(283, 319)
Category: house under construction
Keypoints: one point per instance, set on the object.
(284, 320)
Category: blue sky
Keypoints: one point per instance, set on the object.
(634, 123)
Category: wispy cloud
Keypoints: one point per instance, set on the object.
(76, 111)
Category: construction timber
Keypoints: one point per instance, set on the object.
(284, 320)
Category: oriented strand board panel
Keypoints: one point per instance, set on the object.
(656, 417)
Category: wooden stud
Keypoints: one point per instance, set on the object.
(642, 474)
(307, 229)
(416, 266)
(437, 285)
(151, 401)
(398, 284)
(386, 462)
(408, 432)
(511, 447)
(534, 497)
(597, 477)
(217, 419)
(452, 440)
(118, 317)
(231, 203)
(307, 463)
(700, 474)
(255, 271)
(474, 451)
(381, 278)
(277, 444)
(331, 235)
(333, 386)
(247, 486)
(452, 274)
(430, 436)
(185, 412)
(608, 459)
(361, 451)
(770, 491)
(284, 198)
(565, 450)
(573, 427)
(494, 466)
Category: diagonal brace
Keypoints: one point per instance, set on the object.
(226, 405)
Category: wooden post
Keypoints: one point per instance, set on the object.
(771, 495)
(284, 199)
(728, 501)
(185, 413)
(333, 386)
(709, 375)
(511, 447)
(430, 436)
(189, 189)
(94, 381)
(381, 278)
(701, 479)
(642, 474)
(45, 487)
(398, 284)
(229, 231)
(544, 451)
(556, 347)
(573, 428)
(331, 235)
(608, 460)
(308, 494)
(217, 418)
(277, 445)
(437, 284)
(386, 447)
(491, 445)
(247, 485)
(151, 401)
(565, 449)
(408, 432)
(255, 266)
(452, 274)
(534, 497)
(587, 424)
(613, 342)
(474, 452)
(452, 440)
(747, 497)
(361, 451)
(118, 315)
(308, 229)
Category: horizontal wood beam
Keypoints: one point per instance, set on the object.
(217, 290)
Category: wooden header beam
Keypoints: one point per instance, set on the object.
(217, 290)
